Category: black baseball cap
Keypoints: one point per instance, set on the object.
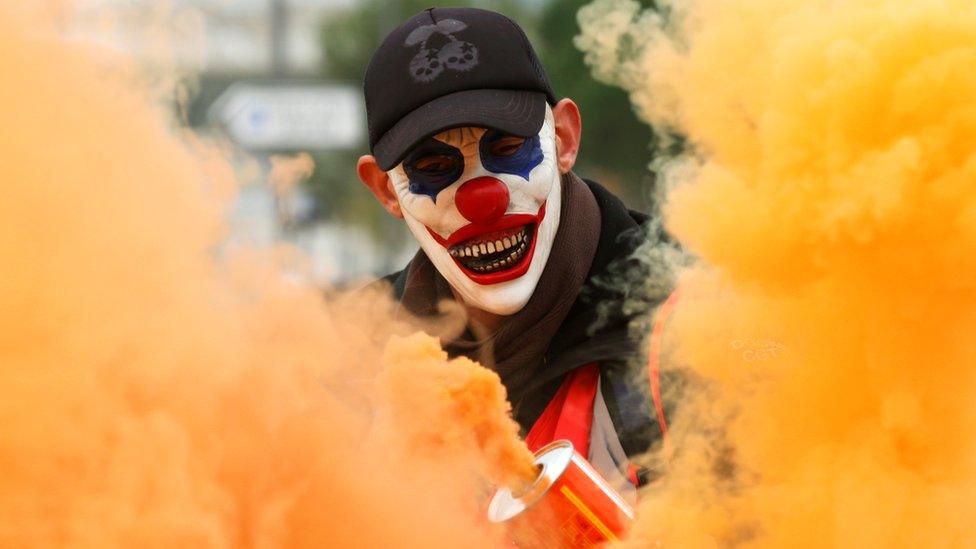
(451, 67)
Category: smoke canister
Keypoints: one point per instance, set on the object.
(568, 505)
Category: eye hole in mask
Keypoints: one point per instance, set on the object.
(506, 153)
(433, 166)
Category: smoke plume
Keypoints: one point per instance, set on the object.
(419, 382)
(828, 193)
(158, 390)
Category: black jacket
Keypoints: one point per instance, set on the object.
(605, 325)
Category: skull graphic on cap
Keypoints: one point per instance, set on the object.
(440, 50)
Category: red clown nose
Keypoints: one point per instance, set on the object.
(482, 200)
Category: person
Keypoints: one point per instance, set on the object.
(474, 151)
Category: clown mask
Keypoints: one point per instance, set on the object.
(484, 206)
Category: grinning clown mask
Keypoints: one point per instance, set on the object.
(484, 206)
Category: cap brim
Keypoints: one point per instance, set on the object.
(517, 112)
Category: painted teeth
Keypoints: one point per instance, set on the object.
(515, 245)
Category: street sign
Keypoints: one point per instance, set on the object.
(287, 116)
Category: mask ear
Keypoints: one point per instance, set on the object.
(378, 181)
(569, 128)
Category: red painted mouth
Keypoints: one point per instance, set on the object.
(494, 253)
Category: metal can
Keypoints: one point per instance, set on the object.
(568, 505)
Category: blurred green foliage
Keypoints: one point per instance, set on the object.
(615, 148)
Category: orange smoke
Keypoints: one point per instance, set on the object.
(420, 383)
(829, 327)
(152, 394)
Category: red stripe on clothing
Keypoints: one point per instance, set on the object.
(569, 415)
(654, 364)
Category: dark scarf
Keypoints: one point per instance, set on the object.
(516, 351)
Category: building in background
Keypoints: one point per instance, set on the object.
(254, 69)
(243, 37)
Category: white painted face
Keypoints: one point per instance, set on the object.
(485, 208)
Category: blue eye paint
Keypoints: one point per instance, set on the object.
(520, 163)
(431, 181)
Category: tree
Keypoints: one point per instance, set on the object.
(615, 148)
